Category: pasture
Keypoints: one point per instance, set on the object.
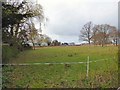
(102, 73)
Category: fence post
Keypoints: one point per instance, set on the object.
(87, 67)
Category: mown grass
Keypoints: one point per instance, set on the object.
(102, 74)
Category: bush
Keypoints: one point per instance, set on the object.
(8, 53)
(27, 46)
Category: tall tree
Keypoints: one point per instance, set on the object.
(114, 35)
(101, 34)
(32, 34)
(95, 37)
(15, 16)
(86, 32)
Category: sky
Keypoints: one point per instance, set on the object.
(67, 17)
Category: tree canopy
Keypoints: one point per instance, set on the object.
(16, 17)
(99, 34)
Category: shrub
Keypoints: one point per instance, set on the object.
(8, 53)
(27, 46)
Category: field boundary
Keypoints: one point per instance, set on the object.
(87, 63)
(47, 63)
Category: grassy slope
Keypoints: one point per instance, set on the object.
(102, 73)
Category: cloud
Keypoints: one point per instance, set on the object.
(66, 17)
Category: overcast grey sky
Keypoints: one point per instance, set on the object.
(66, 17)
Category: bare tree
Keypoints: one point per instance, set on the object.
(33, 34)
(114, 35)
(95, 38)
(86, 32)
(101, 34)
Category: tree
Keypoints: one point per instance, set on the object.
(86, 32)
(101, 34)
(14, 18)
(55, 43)
(114, 35)
(33, 34)
(44, 38)
(95, 37)
(47, 40)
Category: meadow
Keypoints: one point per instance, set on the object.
(102, 73)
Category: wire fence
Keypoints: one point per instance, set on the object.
(46, 63)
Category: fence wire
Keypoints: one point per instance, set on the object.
(48, 63)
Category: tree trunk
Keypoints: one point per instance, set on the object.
(11, 31)
(17, 28)
(33, 45)
(102, 43)
(116, 42)
(89, 42)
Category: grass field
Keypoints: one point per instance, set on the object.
(102, 74)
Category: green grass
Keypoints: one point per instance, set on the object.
(102, 74)
(65, 54)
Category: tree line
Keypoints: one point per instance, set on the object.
(99, 34)
(18, 26)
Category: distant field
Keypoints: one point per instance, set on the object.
(101, 74)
